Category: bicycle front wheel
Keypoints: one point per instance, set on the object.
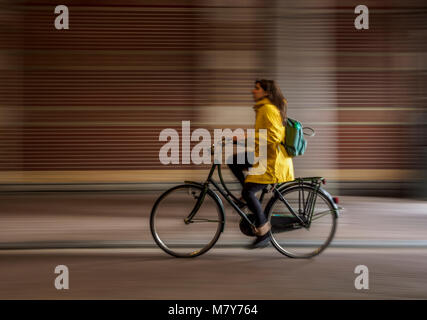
(172, 230)
(292, 238)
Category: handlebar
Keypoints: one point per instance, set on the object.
(223, 142)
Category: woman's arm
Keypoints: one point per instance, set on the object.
(271, 120)
(238, 138)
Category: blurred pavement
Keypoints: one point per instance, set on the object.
(121, 219)
(114, 256)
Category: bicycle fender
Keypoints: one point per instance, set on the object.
(328, 195)
(291, 184)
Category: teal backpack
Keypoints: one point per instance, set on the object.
(294, 143)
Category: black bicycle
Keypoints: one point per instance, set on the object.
(187, 220)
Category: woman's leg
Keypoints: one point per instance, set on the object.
(248, 193)
(238, 169)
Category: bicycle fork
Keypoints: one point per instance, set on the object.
(197, 205)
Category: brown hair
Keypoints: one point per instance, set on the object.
(275, 95)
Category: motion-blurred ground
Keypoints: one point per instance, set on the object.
(385, 234)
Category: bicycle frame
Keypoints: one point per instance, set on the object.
(308, 206)
(234, 202)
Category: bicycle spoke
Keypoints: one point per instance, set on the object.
(321, 214)
(204, 220)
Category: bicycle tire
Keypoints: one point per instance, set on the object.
(296, 236)
(186, 240)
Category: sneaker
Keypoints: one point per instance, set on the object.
(260, 242)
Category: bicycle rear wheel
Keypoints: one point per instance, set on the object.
(181, 238)
(289, 236)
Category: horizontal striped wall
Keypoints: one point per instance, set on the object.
(87, 105)
(379, 97)
(90, 102)
(362, 91)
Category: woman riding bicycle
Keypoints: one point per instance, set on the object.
(270, 108)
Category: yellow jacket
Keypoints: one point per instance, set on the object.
(279, 165)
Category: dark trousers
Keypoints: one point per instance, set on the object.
(249, 189)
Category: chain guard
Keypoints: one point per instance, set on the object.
(245, 227)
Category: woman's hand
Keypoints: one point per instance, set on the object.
(236, 139)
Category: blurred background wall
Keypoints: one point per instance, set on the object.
(83, 108)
